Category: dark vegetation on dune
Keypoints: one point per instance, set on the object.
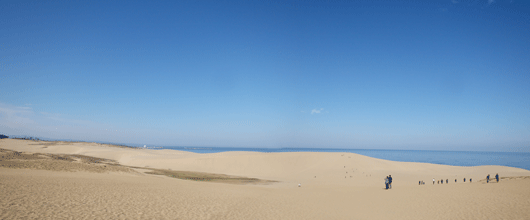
(76, 162)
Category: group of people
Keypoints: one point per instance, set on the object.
(441, 181)
(388, 182)
(488, 178)
(447, 180)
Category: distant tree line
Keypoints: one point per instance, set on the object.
(3, 136)
(29, 138)
(26, 138)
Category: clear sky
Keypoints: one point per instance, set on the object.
(434, 75)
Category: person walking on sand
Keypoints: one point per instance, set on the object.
(390, 181)
(488, 178)
(386, 182)
(433, 181)
(446, 180)
(497, 177)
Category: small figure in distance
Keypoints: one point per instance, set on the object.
(299, 184)
(438, 181)
(464, 179)
(488, 178)
(433, 181)
(442, 181)
(497, 177)
(419, 182)
(390, 181)
(386, 182)
(470, 180)
(446, 180)
(455, 180)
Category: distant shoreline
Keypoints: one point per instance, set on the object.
(452, 158)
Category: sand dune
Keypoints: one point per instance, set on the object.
(334, 186)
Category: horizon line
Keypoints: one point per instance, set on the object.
(135, 145)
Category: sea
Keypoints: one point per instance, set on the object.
(454, 158)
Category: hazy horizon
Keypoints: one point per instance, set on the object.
(148, 145)
(435, 75)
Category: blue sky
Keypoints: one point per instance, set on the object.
(433, 75)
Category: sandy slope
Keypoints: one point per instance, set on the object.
(334, 186)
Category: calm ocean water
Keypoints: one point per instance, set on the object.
(455, 158)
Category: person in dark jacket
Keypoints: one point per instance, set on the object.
(497, 177)
(488, 178)
(390, 181)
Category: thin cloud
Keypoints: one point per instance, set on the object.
(491, 2)
(22, 120)
(15, 117)
(454, 1)
(316, 111)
